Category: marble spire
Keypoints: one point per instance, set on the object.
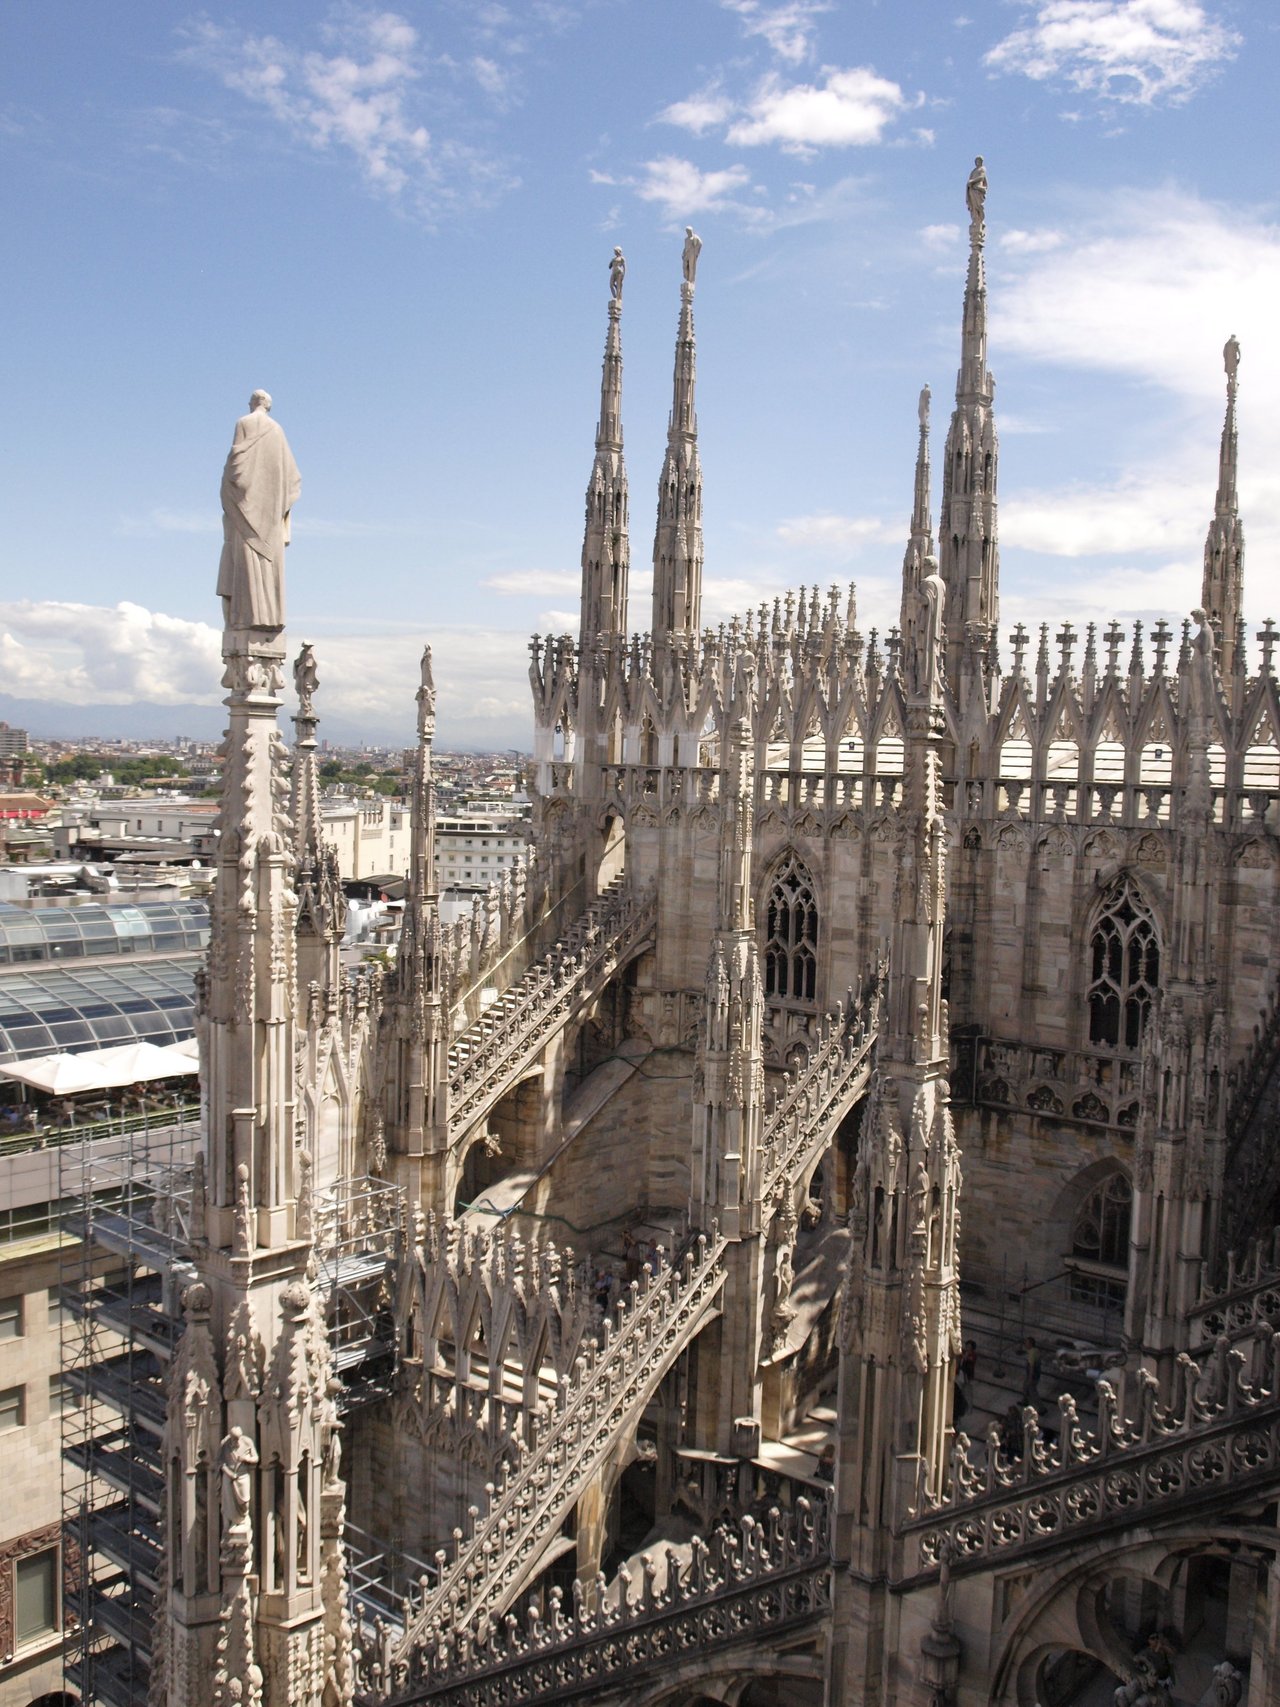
(918, 560)
(970, 552)
(321, 903)
(1222, 591)
(415, 1081)
(251, 1423)
(677, 545)
(606, 548)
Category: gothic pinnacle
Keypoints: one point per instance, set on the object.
(1222, 589)
(970, 553)
(677, 545)
(606, 550)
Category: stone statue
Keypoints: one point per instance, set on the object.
(923, 407)
(975, 193)
(260, 486)
(1231, 357)
(1226, 1687)
(692, 249)
(617, 272)
(237, 1457)
(305, 679)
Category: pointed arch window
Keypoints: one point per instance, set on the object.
(791, 934)
(1124, 968)
(1100, 1243)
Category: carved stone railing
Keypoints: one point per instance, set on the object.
(1095, 1088)
(615, 1380)
(487, 1059)
(752, 1582)
(1248, 1300)
(815, 1096)
(1220, 1437)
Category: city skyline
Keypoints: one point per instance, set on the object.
(400, 223)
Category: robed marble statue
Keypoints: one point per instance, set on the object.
(260, 486)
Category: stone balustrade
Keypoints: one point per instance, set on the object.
(816, 1095)
(1092, 1086)
(1219, 1436)
(487, 1058)
(750, 1580)
(613, 1381)
(1249, 1299)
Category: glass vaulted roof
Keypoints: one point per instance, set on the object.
(47, 1008)
(98, 929)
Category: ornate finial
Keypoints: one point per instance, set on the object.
(689, 259)
(305, 681)
(975, 195)
(923, 409)
(617, 272)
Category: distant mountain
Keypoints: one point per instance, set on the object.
(55, 720)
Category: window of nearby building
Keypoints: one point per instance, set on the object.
(1100, 1242)
(62, 1395)
(10, 1318)
(12, 1407)
(1124, 968)
(791, 934)
(35, 1596)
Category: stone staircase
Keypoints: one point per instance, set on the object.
(490, 1056)
(751, 1581)
(500, 1555)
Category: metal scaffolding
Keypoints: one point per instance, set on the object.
(125, 1206)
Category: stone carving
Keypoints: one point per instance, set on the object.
(237, 1458)
(617, 273)
(689, 256)
(741, 1581)
(975, 195)
(260, 486)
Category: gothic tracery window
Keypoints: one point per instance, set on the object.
(1124, 969)
(791, 934)
(1100, 1240)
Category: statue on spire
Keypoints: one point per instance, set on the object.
(305, 680)
(689, 259)
(617, 272)
(1231, 359)
(923, 408)
(975, 195)
(260, 486)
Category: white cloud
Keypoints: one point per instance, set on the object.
(1139, 51)
(85, 654)
(849, 108)
(1146, 288)
(534, 583)
(366, 97)
(1031, 242)
(828, 531)
(787, 28)
(1136, 514)
(682, 188)
(699, 112)
(940, 236)
(493, 78)
(78, 654)
(162, 520)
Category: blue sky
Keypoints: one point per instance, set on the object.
(399, 222)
